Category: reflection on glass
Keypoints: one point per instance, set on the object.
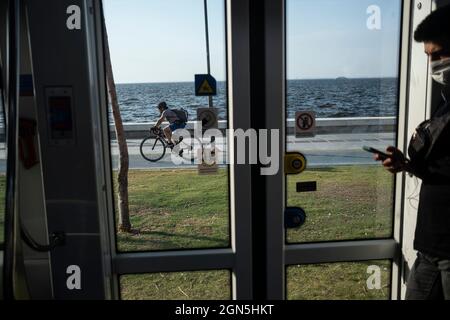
(171, 205)
(340, 281)
(342, 64)
(208, 285)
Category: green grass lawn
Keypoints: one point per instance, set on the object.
(337, 281)
(350, 203)
(207, 285)
(182, 210)
(179, 209)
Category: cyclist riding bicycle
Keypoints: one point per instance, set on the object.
(177, 120)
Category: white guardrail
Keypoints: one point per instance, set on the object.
(323, 126)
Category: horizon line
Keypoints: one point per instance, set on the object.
(336, 78)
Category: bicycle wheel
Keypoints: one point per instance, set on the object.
(153, 149)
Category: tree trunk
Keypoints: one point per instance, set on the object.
(122, 179)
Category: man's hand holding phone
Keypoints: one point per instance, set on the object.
(393, 160)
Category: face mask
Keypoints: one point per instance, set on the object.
(440, 71)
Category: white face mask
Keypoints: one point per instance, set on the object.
(440, 71)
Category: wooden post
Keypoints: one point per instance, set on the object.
(122, 178)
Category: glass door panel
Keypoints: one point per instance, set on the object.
(343, 73)
(343, 66)
(340, 281)
(172, 206)
(198, 285)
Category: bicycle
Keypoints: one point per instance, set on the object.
(154, 147)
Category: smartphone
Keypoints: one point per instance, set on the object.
(383, 156)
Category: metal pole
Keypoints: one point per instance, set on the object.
(208, 60)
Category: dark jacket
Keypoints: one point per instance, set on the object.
(432, 234)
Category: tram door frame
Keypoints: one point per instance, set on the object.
(280, 255)
(237, 258)
(417, 96)
(423, 95)
(276, 255)
(10, 49)
(3, 48)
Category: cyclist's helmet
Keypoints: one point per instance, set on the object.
(162, 106)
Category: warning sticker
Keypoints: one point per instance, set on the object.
(305, 124)
(205, 88)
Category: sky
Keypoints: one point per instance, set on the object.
(164, 40)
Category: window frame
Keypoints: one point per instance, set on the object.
(236, 258)
(333, 251)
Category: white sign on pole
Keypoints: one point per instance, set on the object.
(208, 117)
(305, 124)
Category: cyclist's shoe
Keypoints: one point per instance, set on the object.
(181, 153)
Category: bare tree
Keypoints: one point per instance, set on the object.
(122, 178)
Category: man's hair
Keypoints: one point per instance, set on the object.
(435, 27)
(162, 105)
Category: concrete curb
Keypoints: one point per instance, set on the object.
(324, 126)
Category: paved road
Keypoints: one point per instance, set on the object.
(323, 150)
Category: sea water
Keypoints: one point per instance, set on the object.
(329, 98)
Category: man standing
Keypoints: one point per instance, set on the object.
(429, 153)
